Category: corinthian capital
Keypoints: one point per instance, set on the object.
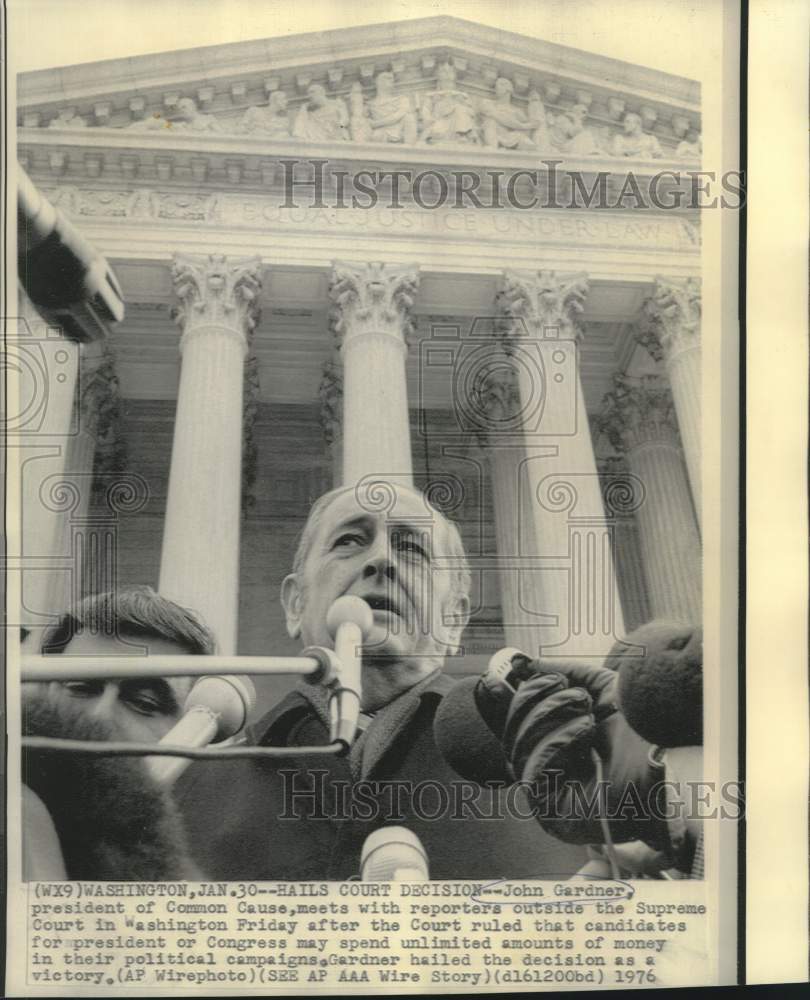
(675, 311)
(217, 291)
(638, 411)
(373, 298)
(542, 303)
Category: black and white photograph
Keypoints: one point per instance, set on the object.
(388, 357)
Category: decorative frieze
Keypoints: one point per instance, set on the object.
(389, 107)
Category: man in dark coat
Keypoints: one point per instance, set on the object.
(307, 817)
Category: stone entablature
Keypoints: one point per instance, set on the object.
(442, 114)
(436, 82)
(217, 161)
(596, 229)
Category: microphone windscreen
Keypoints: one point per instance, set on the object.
(661, 692)
(464, 739)
(393, 854)
(231, 698)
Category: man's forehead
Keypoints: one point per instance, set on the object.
(408, 507)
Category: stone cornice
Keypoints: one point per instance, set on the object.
(392, 45)
(238, 161)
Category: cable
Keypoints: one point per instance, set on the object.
(122, 749)
(610, 850)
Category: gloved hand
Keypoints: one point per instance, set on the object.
(556, 719)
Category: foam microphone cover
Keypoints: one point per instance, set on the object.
(393, 854)
(661, 693)
(464, 738)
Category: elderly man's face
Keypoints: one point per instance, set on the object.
(388, 559)
(135, 709)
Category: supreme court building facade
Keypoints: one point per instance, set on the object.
(427, 252)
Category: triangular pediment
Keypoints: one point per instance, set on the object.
(443, 88)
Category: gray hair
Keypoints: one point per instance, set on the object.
(134, 612)
(455, 548)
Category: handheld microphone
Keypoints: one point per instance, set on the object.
(470, 719)
(348, 620)
(661, 693)
(393, 854)
(216, 708)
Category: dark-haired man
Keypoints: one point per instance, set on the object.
(112, 820)
(119, 624)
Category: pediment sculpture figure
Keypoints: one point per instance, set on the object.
(270, 121)
(390, 116)
(634, 141)
(690, 148)
(570, 134)
(191, 119)
(186, 118)
(448, 114)
(67, 118)
(506, 126)
(321, 118)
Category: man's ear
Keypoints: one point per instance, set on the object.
(293, 604)
(457, 615)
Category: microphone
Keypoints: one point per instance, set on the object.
(470, 720)
(348, 620)
(661, 693)
(216, 708)
(67, 279)
(393, 854)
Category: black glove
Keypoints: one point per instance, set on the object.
(556, 720)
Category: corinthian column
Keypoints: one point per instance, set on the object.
(622, 494)
(199, 564)
(675, 309)
(371, 317)
(496, 405)
(638, 417)
(563, 513)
